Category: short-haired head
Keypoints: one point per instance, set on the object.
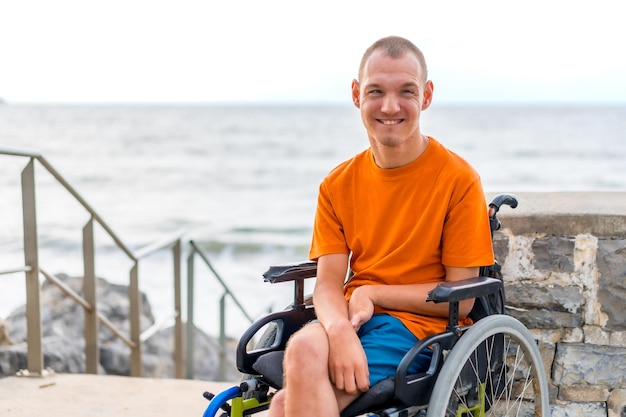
(395, 47)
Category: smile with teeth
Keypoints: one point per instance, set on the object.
(390, 122)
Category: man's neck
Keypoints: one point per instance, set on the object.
(395, 157)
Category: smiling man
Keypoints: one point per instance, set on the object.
(403, 216)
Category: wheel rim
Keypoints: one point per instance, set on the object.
(474, 383)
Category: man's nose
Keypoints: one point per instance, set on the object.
(391, 104)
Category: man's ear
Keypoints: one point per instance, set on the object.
(356, 94)
(428, 94)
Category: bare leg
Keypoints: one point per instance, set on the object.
(277, 406)
(308, 390)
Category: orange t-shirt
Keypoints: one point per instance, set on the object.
(402, 225)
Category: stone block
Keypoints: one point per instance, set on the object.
(554, 253)
(573, 335)
(611, 260)
(583, 393)
(596, 335)
(551, 336)
(546, 319)
(545, 307)
(616, 403)
(584, 364)
(549, 297)
(597, 409)
(519, 262)
(618, 339)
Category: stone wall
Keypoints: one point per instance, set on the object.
(563, 257)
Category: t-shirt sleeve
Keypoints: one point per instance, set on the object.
(328, 236)
(466, 239)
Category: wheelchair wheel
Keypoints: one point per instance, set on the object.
(495, 369)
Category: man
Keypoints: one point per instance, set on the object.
(404, 215)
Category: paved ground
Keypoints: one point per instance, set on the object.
(74, 395)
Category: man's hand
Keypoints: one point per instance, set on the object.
(347, 363)
(361, 307)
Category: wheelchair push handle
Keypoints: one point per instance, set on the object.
(497, 202)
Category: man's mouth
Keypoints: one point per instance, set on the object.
(390, 122)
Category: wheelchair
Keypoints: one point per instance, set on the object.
(490, 368)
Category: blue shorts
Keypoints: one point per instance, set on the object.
(385, 341)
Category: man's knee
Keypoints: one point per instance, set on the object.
(277, 406)
(306, 347)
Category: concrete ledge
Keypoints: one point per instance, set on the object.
(567, 213)
(79, 395)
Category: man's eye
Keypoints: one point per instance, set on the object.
(375, 92)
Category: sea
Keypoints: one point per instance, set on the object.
(241, 181)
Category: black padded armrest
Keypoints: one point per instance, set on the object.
(283, 273)
(454, 291)
(288, 322)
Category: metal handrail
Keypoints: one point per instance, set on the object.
(88, 307)
(38, 156)
(25, 268)
(92, 317)
(195, 249)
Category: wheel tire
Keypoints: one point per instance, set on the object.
(515, 385)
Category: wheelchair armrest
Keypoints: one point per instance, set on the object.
(283, 273)
(288, 322)
(294, 272)
(455, 291)
(416, 389)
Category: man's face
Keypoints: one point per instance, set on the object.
(391, 95)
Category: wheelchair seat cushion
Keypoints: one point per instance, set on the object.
(270, 365)
(379, 395)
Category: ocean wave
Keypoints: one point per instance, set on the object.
(224, 248)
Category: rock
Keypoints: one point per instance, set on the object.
(63, 339)
(5, 340)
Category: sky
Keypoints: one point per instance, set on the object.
(234, 51)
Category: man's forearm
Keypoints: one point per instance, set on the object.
(410, 298)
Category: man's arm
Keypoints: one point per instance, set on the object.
(411, 298)
(347, 363)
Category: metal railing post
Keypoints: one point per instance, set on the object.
(221, 371)
(190, 328)
(179, 358)
(31, 259)
(221, 346)
(135, 321)
(92, 351)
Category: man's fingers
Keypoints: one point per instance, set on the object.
(350, 385)
(363, 382)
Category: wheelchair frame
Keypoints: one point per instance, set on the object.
(463, 378)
